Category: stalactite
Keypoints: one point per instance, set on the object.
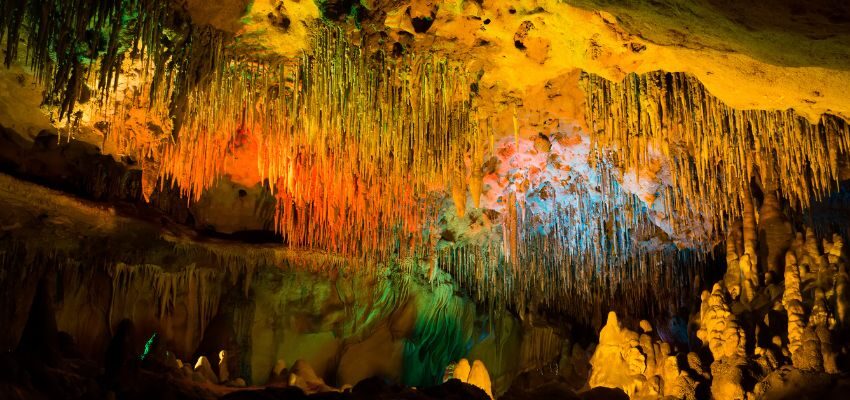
(459, 195)
(355, 144)
(67, 41)
(198, 287)
(715, 150)
(475, 183)
(348, 142)
(540, 346)
(549, 272)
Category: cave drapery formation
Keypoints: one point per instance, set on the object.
(444, 203)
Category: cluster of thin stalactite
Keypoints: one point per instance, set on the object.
(354, 145)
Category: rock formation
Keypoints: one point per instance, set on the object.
(475, 375)
(638, 364)
(362, 199)
(804, 339)
(204, 371)
(223, 372)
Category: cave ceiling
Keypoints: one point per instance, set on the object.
(528, 147)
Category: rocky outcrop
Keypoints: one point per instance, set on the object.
(747, 331)
(813, 322)
(643, 367)
(719, 327)
(204, 371)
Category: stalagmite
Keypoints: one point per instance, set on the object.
(775, 234)
(223, 372)
(834, 250)
(813, 261)
(727, 379)
(678, 384)
(828, 353)
(303, 376)
(461, 370)
(188, 373)
(733, 276)
(638, 363)
(808, 356)
(749, 260)
(842, 296)
(617, 361)
(792, 300)
(719, 327)
(279, 373)
(819, 315)
(203, 368)
(476, 374)
(479, 376)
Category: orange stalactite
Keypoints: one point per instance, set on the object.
(240, 163)
(475, 183)
(458, 186)
(346, 213)
(349, 144)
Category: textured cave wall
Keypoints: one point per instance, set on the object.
(764, 29)
(742, 56)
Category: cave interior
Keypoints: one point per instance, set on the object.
(424, 199)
